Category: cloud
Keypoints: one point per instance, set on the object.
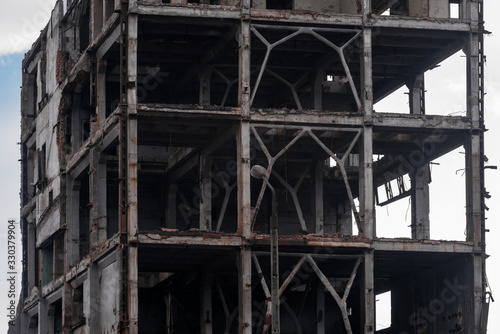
(21, 22)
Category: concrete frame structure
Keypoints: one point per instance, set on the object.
(141, 121)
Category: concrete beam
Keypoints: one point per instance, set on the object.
(427, 246)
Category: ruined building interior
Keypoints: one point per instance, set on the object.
(215, 166)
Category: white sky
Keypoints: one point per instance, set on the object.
(22, 20)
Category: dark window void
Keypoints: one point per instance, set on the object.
(28, 187)
(42, 163)
(57, 316)
(59, 256)
(85, 28)
(53, 260)
(84, 216)
(279, 4)
(80, 118)
(112, 185)
(47, 263)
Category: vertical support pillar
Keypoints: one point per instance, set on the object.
(67, 306)
(420, 207)
(97, 180)
(473, 147)
(204, 78)
(206, 304)
(318, 198)
(43, 317)
(474, 156)
(318, 90)
(171, 206)
(25, 323)
(243, 170)
(94, 295)
(368, 295)
(205, 196)
(320, 309)
(72, 221)
(31, 254)
(416, 87)
(420, 177)
(366, 198)
(132, 214)
(101, 92)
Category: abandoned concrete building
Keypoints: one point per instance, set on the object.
(216, 166)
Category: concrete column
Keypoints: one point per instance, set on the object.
(67, 309)
(204, 78)
(132, 214)
(244, 67)
(318, 90)
(43, 317)
(94, 296)
(420, 178)
(171, 206)
(31, 257)
(205, 196)
(24, 323)
(320, 309)
(474, 156)
(245, 291)
(473, 145)
(243, 171)
(416, 87)
(206, 317)
(366, 190)
(72, 223)
(97, 181)
(318, 197)
(368, 295)
(101, 92)
(420, 207)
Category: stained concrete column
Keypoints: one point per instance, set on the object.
(204, 77)
(101, 92)
(366, 198)
(420, 206)
(31, 265)
(43, 317)
(171, 206)
(368, 294)
(318, 198)
(206, 312)
(72, 223)
(243, 172)
(474, 156)
(317, 90)
(320, 309)
(366, 189)
(94, 299)
(97, 181)
(132, 162)
(420, 177)
(205, 196)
